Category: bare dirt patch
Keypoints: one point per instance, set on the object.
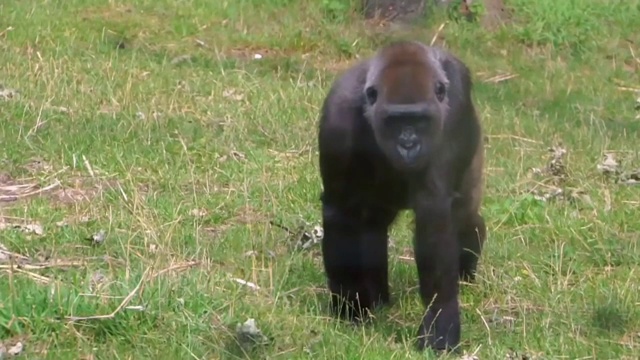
(496, 14)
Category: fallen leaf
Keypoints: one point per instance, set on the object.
(469, 357)
(231, 94)
(16, 349)
(5, 254)
(556, 165)
(251, 253)
(97, 281)
(61, 109)
(198, 212)
(238, 156)
(249, 334)
(180, 59)
(28, 228)
(609, 165)
(98, 238)
(630, 177)
(34, 228)
(7, 93)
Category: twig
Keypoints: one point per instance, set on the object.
(35, 192)
(34, 276)
(501, 78)
(626, 88)
(514, 137)
(281, 227)
(435, 36)
(11, 253)
(486, 325)
(633, 54)
(246, 283)
(122, 305)
(88, 166)
(5, 31)
(48, 265)
(175, 267)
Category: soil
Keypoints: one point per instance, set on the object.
(405, 11)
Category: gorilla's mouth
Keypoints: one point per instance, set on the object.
(409, 154)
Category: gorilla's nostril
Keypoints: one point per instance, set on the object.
(408, 144)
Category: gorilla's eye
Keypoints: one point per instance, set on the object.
(440, 90)
(372, 95)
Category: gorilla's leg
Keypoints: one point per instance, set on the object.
(354, 250)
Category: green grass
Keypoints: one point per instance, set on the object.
(185, 163)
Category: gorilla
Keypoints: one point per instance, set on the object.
(399, 131)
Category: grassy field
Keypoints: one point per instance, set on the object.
(145, 151)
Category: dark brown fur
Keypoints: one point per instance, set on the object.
(389, 140)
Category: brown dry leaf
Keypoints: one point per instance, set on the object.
(216, 231)
(469, 357)
(238, 156)
(180, 59)
(251, 253)
(198, 212)
(630, 178)
(62, 109)
(109, 109)
(65, 222)
(304, 236)
(34, 228)
(7, 93)
(581, 196)
(5, 179)
(97, 281)
(74, 195)
(233, 95)
(556, 165)
(548, 194)
(248, 215)
(5, 254)
(37, 165)
(611, 167)
(513, 355)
